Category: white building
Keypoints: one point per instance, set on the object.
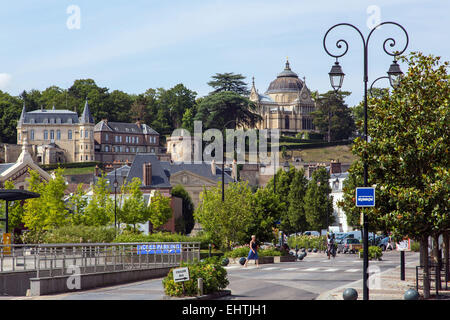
(336, 184)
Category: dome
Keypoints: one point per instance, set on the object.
(287, 81)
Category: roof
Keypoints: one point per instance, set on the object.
(17, 194)
(5, 166)
(159, 176)
(123, 127)
(201, 169)
(286, 81)
(46, 116)
(86, 117)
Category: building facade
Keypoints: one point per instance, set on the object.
(286, 105)
(120, 142)
(57, 136)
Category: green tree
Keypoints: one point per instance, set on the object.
(100, 209)
(318, 201)
(408, 154)
(229, 82)
(296, 217)
(49, 210)
(160, 210)
(225, 222)
(333, 118)
(78, 202)
(134, 210)
(218, 109)
(10, 109)
(188, 208)
(15, 209)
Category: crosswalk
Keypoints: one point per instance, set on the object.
(296, 269)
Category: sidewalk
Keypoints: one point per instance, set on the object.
(387, 286)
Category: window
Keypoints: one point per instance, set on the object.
(87, 157)
(86, 135)
(81, 158)
(81, 146)
(31, 134)
(132, 139)
(107, 148)
(52, 134)
(106, 137)
(120, 138)
(137, 139)
(92, 158)
(69, 135)
(58, 134)
(127, 150)
(81, 133)
(45, 135)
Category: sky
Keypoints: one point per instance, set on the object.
(136, 45)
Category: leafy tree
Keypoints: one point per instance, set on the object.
(100, 209)
(188, 207)
(408, 154)
(78, 202)
(15, 209)
(160, 210)
(188, 120)
(318, 202)
(218, 109)
(333, 118)
(296, 217)
(134, 210)
(10, 109)
(49, 210)
(225, 222)
(358, 110)
(176, 101)
(229, 82)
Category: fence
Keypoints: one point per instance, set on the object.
(51, 260)
(438, 276)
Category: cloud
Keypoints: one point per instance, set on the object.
(5, 80)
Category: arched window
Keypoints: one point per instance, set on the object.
(286, 122)
(69, 135)
(45, 134)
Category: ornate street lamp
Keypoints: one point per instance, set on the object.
(116, 185)
(336, 78)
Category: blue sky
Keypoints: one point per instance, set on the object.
(136, 45)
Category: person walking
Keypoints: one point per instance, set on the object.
(389, 244)
(330, 245)
(253, 253)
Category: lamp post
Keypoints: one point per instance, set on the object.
(223, 159)
(116, 184)
(336, 79)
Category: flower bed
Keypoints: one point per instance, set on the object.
(213, 274)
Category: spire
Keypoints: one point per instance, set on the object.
(22, 115)
(86, 117)
(288, 67)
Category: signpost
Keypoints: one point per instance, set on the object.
(403, 246)
(365, 197)
(180, 274)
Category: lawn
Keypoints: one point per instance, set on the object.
(343, 153)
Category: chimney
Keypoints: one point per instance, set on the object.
(147, 174)
(335, 167)
(213, 167)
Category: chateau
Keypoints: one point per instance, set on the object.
(286, 105)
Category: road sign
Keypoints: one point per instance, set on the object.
(365, 197)
(159, 248)
(181, 274)
(404, 245)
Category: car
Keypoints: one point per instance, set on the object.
(384, 242)
(311, 233)
(347, 245)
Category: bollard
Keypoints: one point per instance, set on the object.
(411, 294)
(350, 294)
(242, 261)
(225, 262)
(200, 286)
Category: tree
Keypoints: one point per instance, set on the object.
(266, 212)
(188, 208)
(15, 209)
(49, 210)
(10, 109)
(133, 210)
(333, 118)
(218, 109)
(358, 110)
(225, 222)
(160, 210)
(318, 202)
(229, 82)
(408, 154)
(100, 209)
(296, 211)
(78, 202)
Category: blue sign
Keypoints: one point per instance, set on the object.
(365, 197)
(158, 248)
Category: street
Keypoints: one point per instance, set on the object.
(301, 280)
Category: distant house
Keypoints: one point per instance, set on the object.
(120, 142)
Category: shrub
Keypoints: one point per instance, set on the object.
(375, 252)
(308, 242)
(71, 234)
(415, 246)
(162, 237)
(238, 252)
(269, 253)
(213, 274)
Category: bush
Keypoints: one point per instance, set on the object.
(375, 253)
(308, 242)
(415, 246)
(269, 253)
(243, 252)
(162, 237)
(70, 234)
(213, 274)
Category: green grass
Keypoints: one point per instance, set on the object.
(343, 153)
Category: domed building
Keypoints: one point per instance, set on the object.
(286, 105)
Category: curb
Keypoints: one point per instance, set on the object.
(211, 296)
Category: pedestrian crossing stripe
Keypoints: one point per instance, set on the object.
(290, 269)
(311, 269)
(352, 270)
(271, 268)
(331, 270)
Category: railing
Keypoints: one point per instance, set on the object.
(50, 260)
(438, 276)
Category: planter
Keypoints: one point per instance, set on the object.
(284, 259)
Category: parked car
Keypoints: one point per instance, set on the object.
(311, 233)
(347, 245)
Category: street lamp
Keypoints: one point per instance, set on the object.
(336, 78)
(115, 184)
(223, 159)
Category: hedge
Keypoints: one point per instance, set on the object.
(308, 242)
(54, 166)
(70, 234)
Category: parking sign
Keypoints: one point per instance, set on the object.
(365, 197)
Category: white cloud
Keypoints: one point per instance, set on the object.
(5, 80)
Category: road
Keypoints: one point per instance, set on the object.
(302, 280)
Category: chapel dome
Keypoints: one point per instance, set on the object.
(286, 81)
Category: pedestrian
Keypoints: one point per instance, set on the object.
(389, 244)
(330, 245)
(253, 253)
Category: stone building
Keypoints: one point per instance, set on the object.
(57, 136)
(286, 105)
(120, 142)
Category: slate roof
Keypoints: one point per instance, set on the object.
(287, 81)
(45, 116)
(5, 166)
(159, 176)
(86, 117)
(122, 127)
(201, 169)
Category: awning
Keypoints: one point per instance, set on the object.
(17, 194)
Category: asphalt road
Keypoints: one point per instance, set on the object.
(302, 280)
